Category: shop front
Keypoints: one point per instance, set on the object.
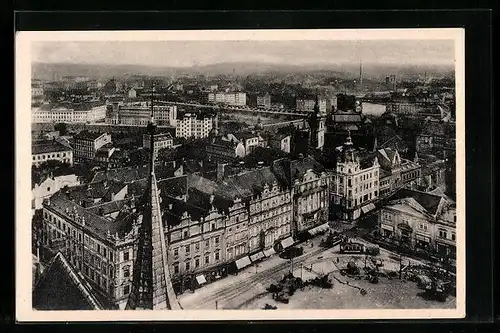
(405, 233)
(386, 231)
(445, 250)
(422, 242)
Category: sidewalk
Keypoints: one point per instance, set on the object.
(192, 299)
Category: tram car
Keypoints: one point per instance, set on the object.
(352, 248)
(358, 248)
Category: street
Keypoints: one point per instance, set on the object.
(247, 290)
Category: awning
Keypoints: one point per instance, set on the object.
(318, 229)
(423, 238)
(368, 208)
(257, 256)
(269, 252)
(404, 226)
(287, 242)
(201, 279)
(387, 227)
(242, 262)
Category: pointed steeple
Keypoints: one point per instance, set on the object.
(349, 152)
(152, 284)
(348, 141)
(375, 145)
(316, 104)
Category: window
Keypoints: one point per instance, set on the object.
(217, 240)
(207, 259)
(207, 244)
(453, 236)
(188, 265)
(443, 233)
(176, 268)
(188, 249)
(197, 247)
(217, 255)
(213, 226)
(126, 271)
(126, 290)
(126, 256)
(197, 262)
(186, 234)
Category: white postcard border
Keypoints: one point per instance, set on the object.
(24, 311)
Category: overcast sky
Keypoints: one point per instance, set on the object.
(189, 53)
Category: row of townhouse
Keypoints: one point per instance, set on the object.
(212, 228)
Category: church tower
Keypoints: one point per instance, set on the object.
(316, 127)
(152, 284)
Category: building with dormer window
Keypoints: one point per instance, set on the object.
(355, 183)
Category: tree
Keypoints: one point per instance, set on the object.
(62, 128)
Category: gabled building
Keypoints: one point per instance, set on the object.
(420, 220)
(396, 172)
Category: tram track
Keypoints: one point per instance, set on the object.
(240, 287)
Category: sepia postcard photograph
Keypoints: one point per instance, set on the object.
(240, 175)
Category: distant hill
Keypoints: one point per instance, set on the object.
(47, 71)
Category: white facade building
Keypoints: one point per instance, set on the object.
(230, 98)
(355, 184)
(190, 126)
(50, 151)
(48, 187)
(66, 115)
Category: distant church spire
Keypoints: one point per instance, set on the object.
(152, 284)
(361, 72)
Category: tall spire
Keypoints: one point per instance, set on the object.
(316, 104)
(348, 141)
(152, 284)
(360, 72)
